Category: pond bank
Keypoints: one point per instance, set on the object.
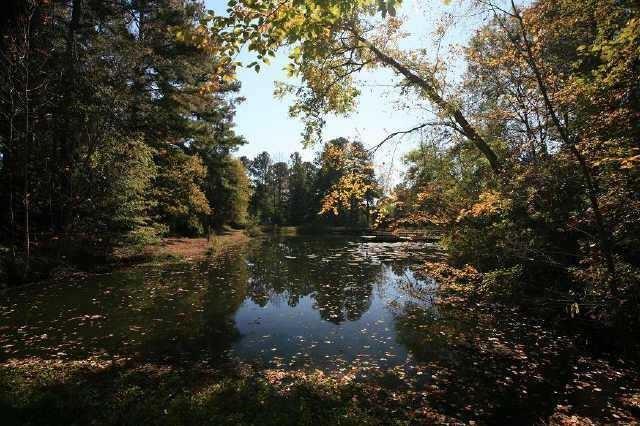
(371, 234)
(197, 248)
(170, 249)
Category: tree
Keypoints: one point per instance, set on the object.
(279, 191)
(178, 191)
(259, 169)
(80, 82)
(301, 181)
(553, 72)
(120, 210)
(229, 192)
(560, 210)
(332, 40)
(348, 177)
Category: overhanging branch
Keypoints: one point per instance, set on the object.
(403, 132)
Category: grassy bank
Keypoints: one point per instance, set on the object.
(196, 248)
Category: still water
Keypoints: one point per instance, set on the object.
(287, 301)
(331, 304)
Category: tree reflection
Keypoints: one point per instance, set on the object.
(192, 317)
(340, 285)
(181, 312)
(225, 293)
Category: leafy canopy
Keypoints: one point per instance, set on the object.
(322, 43)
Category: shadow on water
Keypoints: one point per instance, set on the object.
(351, 309)
(180, 312)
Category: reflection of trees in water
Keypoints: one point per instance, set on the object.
(423, 330)
(268, 272)
(294, 267)
(427, 330)
(421, 290)
(222, 300)
(202, 323)
(183, 311)
(169, 313)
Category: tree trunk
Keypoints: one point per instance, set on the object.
(67, 114)
(467, 129)
(27, 144)
(604, 236)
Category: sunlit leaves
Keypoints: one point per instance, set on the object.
(356, 183)
(489, 203)
(349, 187)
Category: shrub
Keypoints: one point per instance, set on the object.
(504, 284)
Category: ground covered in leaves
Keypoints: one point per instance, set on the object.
(516, 371)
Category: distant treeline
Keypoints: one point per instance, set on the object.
(338, 188)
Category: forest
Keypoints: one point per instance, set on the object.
(315, 194)
(144, 257)
(139, 146)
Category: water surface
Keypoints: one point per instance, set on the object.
(288, 301)
(332, 304)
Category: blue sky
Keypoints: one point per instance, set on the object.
(265, 123)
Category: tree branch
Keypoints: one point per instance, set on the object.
(403, 132)
(430, 91)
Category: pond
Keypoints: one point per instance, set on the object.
(330, 304)
(288, 301)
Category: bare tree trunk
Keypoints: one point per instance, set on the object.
(11, 163)
(27, 142)
(430, 91)
(67, 136)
